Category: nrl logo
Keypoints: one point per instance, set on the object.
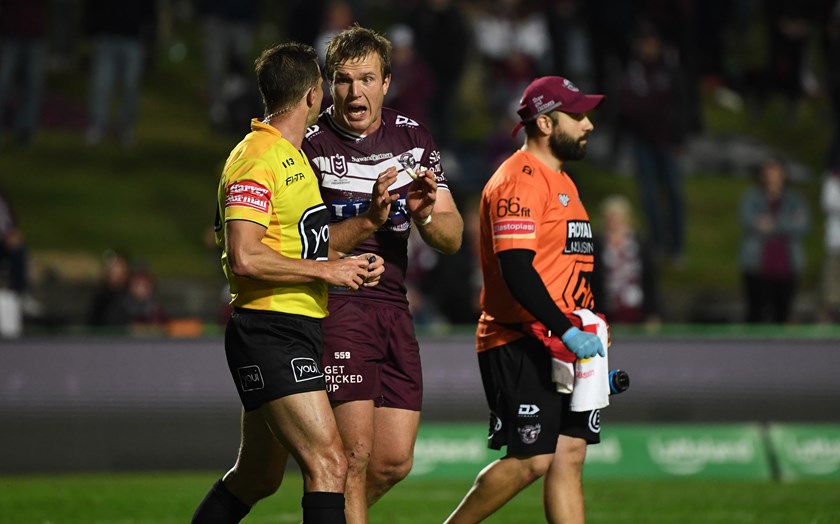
(338, 165)
(564, 199)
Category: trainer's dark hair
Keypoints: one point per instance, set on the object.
(355, 43)
(284, 73)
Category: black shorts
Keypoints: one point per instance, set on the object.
(272, 355)
(526, 412)
(371, 352)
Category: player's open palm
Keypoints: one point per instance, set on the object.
(380, 197)
(422, 194)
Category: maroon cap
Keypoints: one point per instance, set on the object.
(553, 93)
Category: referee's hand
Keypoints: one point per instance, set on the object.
(582, 344)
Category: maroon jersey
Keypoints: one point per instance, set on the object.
(347, 167)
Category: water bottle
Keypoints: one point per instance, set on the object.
(619, 381)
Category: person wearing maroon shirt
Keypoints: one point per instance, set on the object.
(380, 174)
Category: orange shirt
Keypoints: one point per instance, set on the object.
(526, 205)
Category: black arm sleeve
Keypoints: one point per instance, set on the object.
(528, 289)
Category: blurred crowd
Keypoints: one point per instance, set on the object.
(459, 67)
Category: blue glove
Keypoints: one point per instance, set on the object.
(582, 344)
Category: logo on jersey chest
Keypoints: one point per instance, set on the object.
(338, 165)
(564, 199)
(579, 238)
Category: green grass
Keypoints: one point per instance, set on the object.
(163, 498)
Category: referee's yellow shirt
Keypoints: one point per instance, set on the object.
(268, 181)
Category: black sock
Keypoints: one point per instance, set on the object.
(220, 506)
(320, 507)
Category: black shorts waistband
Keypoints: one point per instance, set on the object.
(275, 314)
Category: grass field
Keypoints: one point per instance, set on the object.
(163, 498)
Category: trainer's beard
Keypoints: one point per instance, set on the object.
(565, 148)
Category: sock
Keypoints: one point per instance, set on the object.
(220, 506)
(323, 508)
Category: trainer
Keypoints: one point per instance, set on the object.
(536, 261)
(274, 231)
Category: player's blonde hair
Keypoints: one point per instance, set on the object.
(355, 43)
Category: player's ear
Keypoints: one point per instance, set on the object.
(386, 83)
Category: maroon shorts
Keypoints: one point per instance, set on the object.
(371, 352)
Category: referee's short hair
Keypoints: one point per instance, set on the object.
(284, 73)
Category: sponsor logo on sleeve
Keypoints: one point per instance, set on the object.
(248, 194)
(312, 130)
(514, 228)
(405, 121)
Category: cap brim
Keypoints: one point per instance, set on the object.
(583, 104)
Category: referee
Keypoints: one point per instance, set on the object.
(273, 228)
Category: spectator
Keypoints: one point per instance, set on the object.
(650, 115)
(106, 306)
(15, 300)
(13, 255)
(514, 45)
(338, 16)
(774, 219)
(118, 32)
(228, 28)
(624, 280)
(140, 302)
(790, 26)
(23, 50)
(412, 82)
(443, 42)
(831, 56)
(830, 199)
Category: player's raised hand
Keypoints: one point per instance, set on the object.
(422, 194)
(380, 198)
(350, 272)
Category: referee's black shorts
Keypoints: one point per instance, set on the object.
(272, 355)
(526, 412)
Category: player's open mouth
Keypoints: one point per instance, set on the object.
(356, 111)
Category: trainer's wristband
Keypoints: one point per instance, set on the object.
(425, 221)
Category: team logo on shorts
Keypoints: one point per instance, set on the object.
(595, 421)
(529, 433)
(250, 378)
(305, 369)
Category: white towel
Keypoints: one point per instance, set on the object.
(563, 375)
(591, 385)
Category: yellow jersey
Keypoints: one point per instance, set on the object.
(268, 181)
